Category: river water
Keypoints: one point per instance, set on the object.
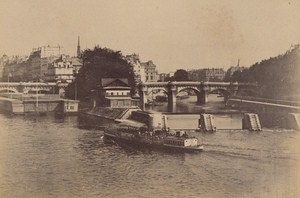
(51, 156)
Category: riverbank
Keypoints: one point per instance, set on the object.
(270, 114)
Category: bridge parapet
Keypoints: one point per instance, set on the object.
(193, 83)
(26, 83)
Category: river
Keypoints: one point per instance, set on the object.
(50, 156)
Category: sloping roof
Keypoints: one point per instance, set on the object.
(76, 61)
(114, 82)
(148, 64)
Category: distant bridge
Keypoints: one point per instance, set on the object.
(28, 87)
(202, 89)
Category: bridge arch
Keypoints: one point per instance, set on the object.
(150, 93)
(153, 89)
(200, 94)
(11, 90)
(222, 92)
(182, 89)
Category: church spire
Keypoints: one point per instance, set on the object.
(78, 48)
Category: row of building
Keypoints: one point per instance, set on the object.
(46, 64)
(206, 74)
(50, 64)
(144, 71)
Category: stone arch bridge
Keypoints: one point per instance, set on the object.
(27, 87)
(202, 89)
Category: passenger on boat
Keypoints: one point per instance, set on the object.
(143, 130)
(158, 132)
(185, 135)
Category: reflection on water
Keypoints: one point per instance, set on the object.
(93, 122)
(65, 157)
(189, 105)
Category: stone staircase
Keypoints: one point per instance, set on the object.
(207, 122)
(252, 122)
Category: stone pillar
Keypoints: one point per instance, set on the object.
(143, 98)
(172, 98)
(202, 97)
(172, 102)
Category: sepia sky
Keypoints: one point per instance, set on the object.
(173, 33)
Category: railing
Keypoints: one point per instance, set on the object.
(193, 83)
(26, 84)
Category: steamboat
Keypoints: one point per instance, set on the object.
(140, 137)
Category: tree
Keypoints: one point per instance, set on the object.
(277, 77)
(169, 78)
(181, 75)
(99, 63)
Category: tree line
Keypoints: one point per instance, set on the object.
(277, 77)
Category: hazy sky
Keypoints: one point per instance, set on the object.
(173, 33)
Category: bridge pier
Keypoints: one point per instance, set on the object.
(172, 101)
(143, 98)
(202, 98)
(172, 98)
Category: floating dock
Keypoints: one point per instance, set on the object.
(40, 104)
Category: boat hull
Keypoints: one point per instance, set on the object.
(136, 143)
